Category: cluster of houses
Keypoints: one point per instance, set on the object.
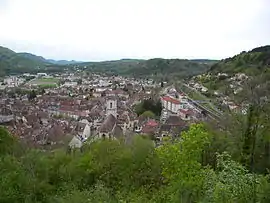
(100, 107)
(235, 85)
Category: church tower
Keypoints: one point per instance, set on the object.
(111, 107)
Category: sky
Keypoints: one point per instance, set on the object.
(96, 30)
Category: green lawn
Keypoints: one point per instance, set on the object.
(45, 82)
(41, 81)
(45, 86)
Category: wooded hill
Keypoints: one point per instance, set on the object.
(158, 67)
(251, 63)
(12, 62)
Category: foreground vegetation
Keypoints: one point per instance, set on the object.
(115, 171)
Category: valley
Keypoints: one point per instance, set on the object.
(145, 124)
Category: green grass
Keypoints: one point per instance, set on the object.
(45, 86)
(53, 80)
(45, 81)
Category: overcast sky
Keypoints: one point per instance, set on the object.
(94, 30)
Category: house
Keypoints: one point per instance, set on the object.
(6, 115)
(185, 114)
(150, 127)
(82, 132)
(117, 92)
(173, 126)
(233, 107)
(70, 84)
(241, 76)
(99, 92)
(110, 128)
(171, 104)
(204, 89)
(41, 75)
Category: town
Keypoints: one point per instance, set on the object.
(54, 110)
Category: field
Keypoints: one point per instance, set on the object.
(45, 82)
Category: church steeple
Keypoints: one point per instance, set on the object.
(111, 107)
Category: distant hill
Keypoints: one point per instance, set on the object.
(158, 67)
(204, 60)
(32, 57)
(63, 62)
(48, 61)
(12, 62)
(252, 62)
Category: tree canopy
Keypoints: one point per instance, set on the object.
(115, 171)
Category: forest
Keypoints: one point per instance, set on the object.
(203, 165)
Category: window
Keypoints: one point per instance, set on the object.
(110, 105)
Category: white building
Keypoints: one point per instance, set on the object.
(41, 74)
(70, 84)
(170, 104)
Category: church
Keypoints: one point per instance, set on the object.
(119, 120)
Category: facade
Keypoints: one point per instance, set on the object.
(111, 107)
(171, 104)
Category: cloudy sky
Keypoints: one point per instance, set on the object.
(96, 30)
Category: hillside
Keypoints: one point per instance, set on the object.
(62, 62)
(158, 67)
(12, 62)
(47, 61)
(234, 77)
(32, 57)
(251, 63)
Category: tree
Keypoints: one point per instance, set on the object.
(32, 95)
(112, 170)
(149, 105)
(148, 114)
(79, 81)
(7, 142)
(181, 165)
(42, 91)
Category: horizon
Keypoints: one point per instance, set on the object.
(105, 31)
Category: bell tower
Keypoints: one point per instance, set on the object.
(111, 107)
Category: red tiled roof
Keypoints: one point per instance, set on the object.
(186, 111)
(67, 108)
(152, 123)
(149, 129)
(116, 92)
(170, 99)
